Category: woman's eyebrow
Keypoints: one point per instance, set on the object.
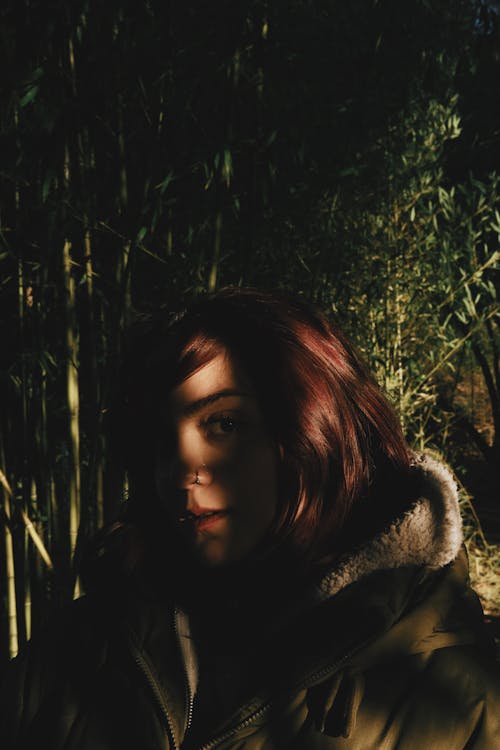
(195, 406)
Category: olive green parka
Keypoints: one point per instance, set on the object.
(386, 651)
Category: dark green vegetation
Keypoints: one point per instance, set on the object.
(346, 151)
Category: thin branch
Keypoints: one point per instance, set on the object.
(30, 528)
(496, 358)
(468, 279)
(450, 354)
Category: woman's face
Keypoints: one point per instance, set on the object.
(220, 485)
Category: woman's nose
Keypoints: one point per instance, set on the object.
(190, 468)
(189, 477)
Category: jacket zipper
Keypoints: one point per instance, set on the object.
(187, 687)
(145, 669)
(308, 682)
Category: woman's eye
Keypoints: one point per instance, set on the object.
(221, 425)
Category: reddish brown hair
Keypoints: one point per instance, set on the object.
(344, 461)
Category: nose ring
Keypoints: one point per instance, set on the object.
(197, 478)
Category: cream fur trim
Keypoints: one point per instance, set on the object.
(429, 534)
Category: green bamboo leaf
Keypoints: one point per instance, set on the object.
(163, 185)
(272, 138)
(29, 96)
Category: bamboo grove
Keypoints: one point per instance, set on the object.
(158, 150)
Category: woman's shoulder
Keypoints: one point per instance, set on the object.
(418, 665)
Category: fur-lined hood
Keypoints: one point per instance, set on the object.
(428, 534)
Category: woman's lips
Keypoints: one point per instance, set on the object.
(203, 519)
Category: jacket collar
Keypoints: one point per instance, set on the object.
(429, 534)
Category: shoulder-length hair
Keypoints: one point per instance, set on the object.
(343, 461)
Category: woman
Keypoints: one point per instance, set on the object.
(288, 574)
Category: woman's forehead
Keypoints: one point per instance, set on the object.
(218, 378)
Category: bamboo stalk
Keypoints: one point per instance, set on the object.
(399, 351)
(73, 402)
(52, 508)
(47, 473)
(37, 541)
(212, 281)
(96, 463)
(126, 283)
(27, 585)
(30, 528)
(10, 569)
(123, 178)
(386, 329)
(22, 580)
(11, 582)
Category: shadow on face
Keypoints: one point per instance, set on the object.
(219, 483)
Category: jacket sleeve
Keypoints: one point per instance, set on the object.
(447, 700)
(466, 696)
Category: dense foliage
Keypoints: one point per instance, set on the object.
(344, 151)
